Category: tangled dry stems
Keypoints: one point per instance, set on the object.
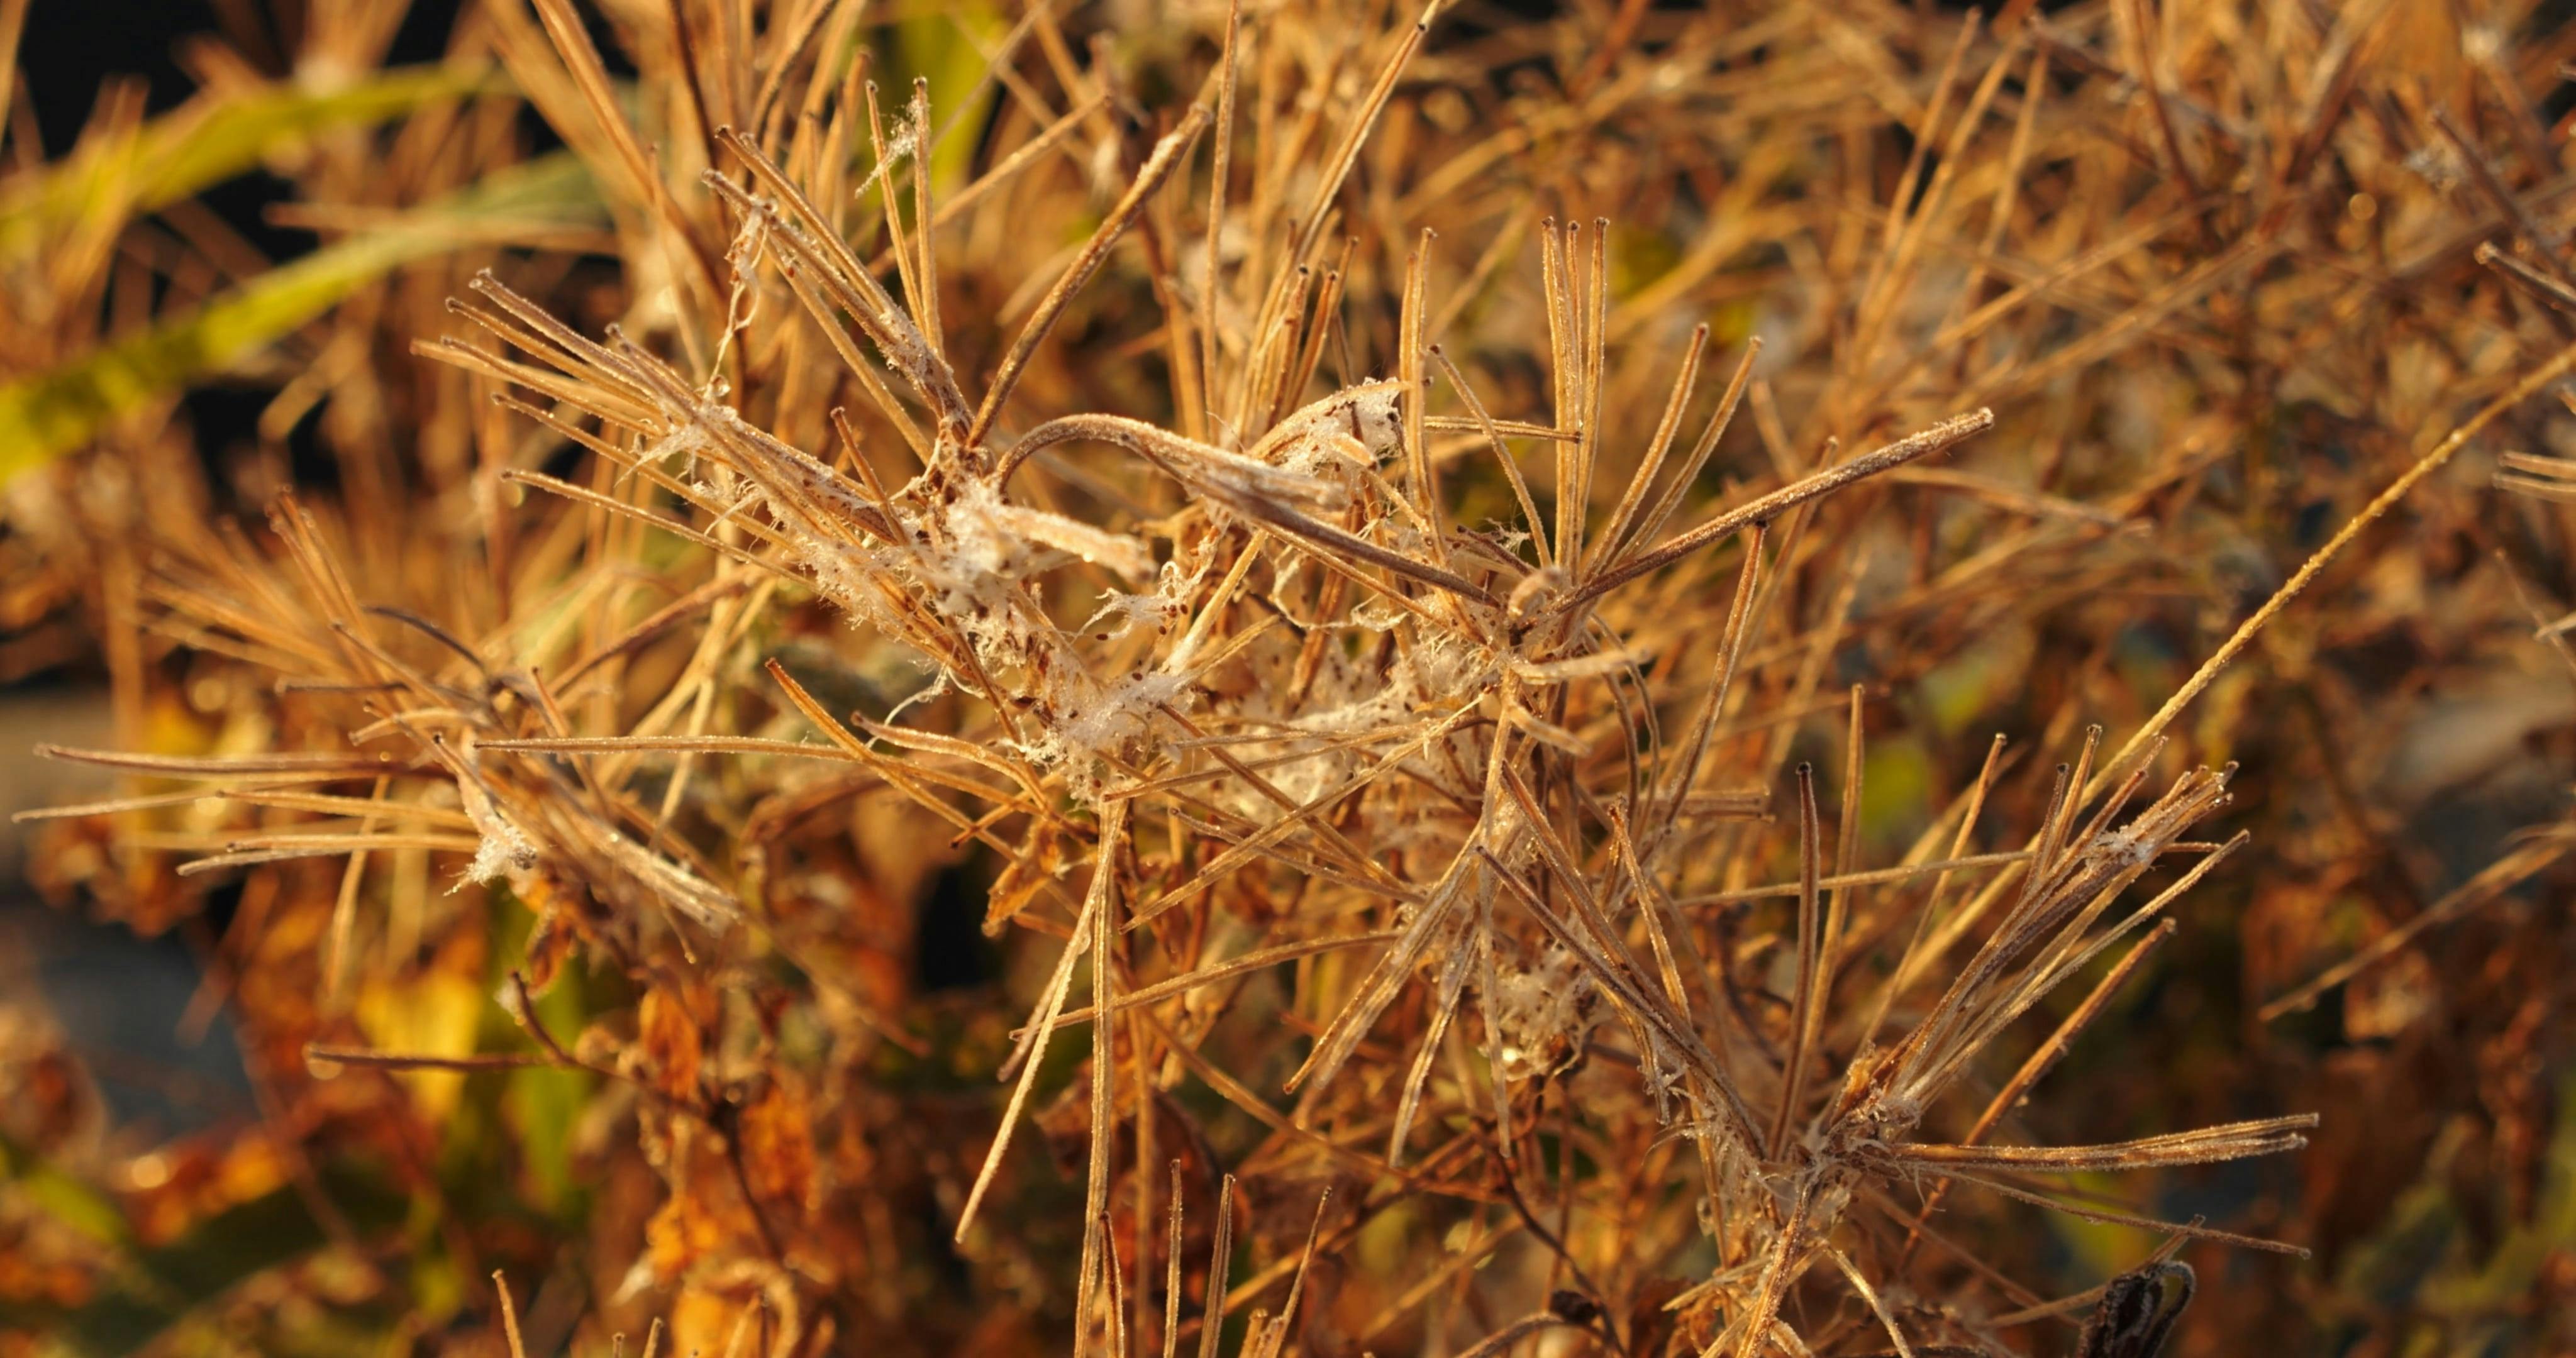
(1245, 705)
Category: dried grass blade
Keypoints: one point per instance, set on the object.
(1167, 156)
(1041, 1024)
(1947, 434)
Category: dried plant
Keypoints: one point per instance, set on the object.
(1471, 815)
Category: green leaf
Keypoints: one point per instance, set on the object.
(204, 143)
(542, 1105)
(171, 1283)
(940, 45)
(47, 414)
(60, 1196)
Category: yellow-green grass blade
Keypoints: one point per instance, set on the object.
(47, 414)
(183, 152)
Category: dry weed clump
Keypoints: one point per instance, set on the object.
(1436, 594)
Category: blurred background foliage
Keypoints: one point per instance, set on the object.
(223, 228)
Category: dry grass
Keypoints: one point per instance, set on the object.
(1451, 588)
